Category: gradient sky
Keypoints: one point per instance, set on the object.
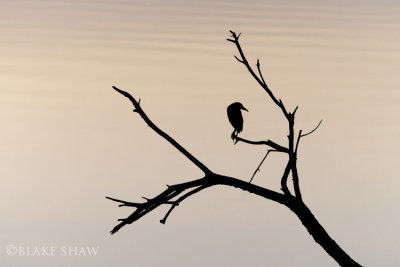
(67, 139)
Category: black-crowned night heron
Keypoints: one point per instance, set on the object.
(235, 118)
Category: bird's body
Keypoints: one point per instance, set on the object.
(235, 117)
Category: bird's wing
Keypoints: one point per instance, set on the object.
(235, 118)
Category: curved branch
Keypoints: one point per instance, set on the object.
(302, 135)
(139, 110)
(167, 196)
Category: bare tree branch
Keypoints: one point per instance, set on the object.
(139, 110)
(175, 194)
(176, 203)
(312, 130)
(163, 198)
(124, 203)
(298, 140)
(241, 61)
(259, 165)
(167, 196)
(284, 178)
(260, 73)
(291, 150)
(260, 80)
(300, 135)
(269, 143)
(296, 185)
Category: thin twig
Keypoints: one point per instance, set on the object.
(294, 111)
(302, 135)
(259, 72)
(258, 168)
(297, 142)
(176, 203)
(312, 130)
(241, 61)
(124, 203)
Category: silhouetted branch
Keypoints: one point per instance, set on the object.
(298, 140)
(179, 200)
(269, 143)
(260, 73)
(302, 135)
(173, 191)
(296, 204)
(284, 178)
(124, 203)
(260, 79)
(295, 176)
(258, 168)
(241, 61)
(175, 194)
(164, 198)
(291, 165)
(139, 110)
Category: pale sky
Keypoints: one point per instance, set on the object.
(68, 140)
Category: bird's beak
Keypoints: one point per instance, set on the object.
(245, 109)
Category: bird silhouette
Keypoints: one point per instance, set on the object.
(235, 118)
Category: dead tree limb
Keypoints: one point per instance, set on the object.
(139, 110)
(269, 143)
(262, 161)
(175, 194)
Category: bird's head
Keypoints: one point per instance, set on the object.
(239, 105)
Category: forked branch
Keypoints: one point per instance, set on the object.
(260, 79)
(175, 194)
(291, 165)
(303, 135)
(165, 197)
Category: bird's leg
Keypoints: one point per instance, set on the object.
(233, 135)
